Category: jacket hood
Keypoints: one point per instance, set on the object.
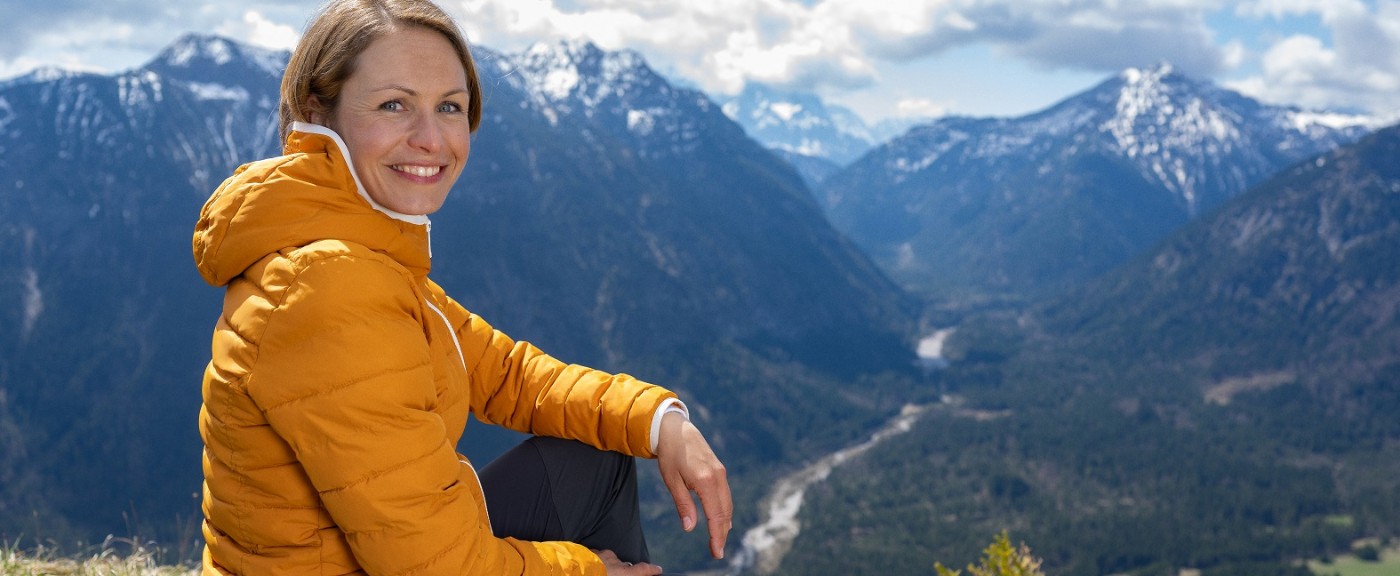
(310, 193)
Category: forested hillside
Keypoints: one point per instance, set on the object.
(1226, 403)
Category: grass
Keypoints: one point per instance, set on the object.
(109, 561)
(1351, 565)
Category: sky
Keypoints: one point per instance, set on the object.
(881, 58)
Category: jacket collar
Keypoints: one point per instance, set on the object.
(311, 193)
(309, 128)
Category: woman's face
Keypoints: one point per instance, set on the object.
(403, 114)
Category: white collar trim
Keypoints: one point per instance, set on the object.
(420, 219)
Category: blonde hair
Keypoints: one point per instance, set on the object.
(325, 57)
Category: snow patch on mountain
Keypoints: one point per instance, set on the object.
(641, 122)
(192, 47)
(7, 113)
(139, 89)
(212, 91)
(33, 302)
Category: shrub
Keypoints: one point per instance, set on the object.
(1000, 558)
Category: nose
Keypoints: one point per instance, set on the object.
(425, 134)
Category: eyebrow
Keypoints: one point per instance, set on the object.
(412, 92)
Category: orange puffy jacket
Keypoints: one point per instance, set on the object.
(341, 381)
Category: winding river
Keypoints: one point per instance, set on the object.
(765, 545)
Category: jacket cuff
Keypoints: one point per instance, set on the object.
(666, 407)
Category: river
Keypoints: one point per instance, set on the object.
(765, 545)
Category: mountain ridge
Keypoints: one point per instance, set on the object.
(1024, 207)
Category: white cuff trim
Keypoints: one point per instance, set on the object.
(667, 407)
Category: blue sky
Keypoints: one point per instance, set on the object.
(882, 58)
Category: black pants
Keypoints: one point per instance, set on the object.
(547, 489)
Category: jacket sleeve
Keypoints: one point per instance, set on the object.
(344, 376)
(517, 386)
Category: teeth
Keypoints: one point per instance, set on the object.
(420, 171)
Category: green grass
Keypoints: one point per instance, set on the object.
(1350, 565)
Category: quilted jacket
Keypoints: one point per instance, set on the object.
(341, 380)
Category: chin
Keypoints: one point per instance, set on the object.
(414, 208)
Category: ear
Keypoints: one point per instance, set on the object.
(315, 112)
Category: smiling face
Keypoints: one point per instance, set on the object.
(403, 114)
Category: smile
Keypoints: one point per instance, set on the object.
(419, 171)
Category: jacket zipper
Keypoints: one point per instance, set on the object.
(463, 359)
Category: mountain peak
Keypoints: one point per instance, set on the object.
(44, 74)
(554, 74)
(799, 123)
(1156, 73)
(208, 57)
(192, 48)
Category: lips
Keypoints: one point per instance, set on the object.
(419, 171)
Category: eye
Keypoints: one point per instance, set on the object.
(450, 107)
(391, 106)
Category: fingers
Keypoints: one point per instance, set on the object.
(720, 518)
(616, 567)
(689, 464)
(719, 510)
(685, 505)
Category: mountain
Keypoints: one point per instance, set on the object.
(1303, 270)
(606, 215)
(816, 137)
(800, 123)
(970, 208)
(99, 339)
(1225, 403)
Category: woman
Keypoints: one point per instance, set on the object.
(342, 376)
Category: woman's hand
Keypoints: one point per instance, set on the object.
(617, 567)
(688, 464)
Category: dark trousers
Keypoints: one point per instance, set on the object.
(547, 489)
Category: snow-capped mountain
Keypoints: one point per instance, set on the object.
(800, 124)
(816, 137)
(1025, 205)
(606, 215)
(578, 78)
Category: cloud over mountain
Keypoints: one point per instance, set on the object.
(869, 56)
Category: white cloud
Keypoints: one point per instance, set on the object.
(1360, 69)
(835, 48)
(258, 30)
(841, 44)
(1279, 8)
(115, 35)
(920, 108)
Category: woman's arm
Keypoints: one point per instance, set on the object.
(524, 389)
(518, 386)
(344, 376)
